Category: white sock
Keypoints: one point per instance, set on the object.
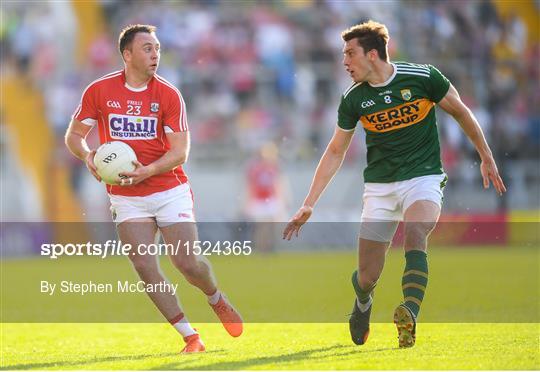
(364, 307)
(184, 328)
(213, 299)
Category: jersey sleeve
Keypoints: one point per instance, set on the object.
(347, 118)
(175, 116)
(438, 84)
(87, 112)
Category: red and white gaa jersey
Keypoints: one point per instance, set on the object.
(262, 180)
(139, 117)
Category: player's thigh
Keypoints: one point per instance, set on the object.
(381, 212)
(422, 211)
(181, 235)
(423, 197)
(139, 233)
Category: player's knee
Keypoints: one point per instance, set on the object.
(143, 266)
(367, 280)
(416, 233)
(419, 230)
(189, 269)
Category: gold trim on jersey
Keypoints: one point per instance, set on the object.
(397, 117)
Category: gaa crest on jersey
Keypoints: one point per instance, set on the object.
(406, 94)
(154, 106)
(127, 127)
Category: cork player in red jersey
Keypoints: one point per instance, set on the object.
(142, 109)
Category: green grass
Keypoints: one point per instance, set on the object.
(482, 285)
(268, 346)
(481, 311)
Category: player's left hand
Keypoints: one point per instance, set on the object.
(140, 173)
(489, 172)
(296, 222)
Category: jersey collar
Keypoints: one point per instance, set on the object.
(385, 83)
(129, 87)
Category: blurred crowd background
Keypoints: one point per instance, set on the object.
(260, 72)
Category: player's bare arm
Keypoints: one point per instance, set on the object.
(177, 155)
(328, 166)
(76, 143)
(453, 105)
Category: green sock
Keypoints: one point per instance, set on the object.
(415, 278)
(363, 296)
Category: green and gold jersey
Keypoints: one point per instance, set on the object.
(398, 117)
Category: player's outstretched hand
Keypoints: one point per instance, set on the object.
(140, 173)
(295, 224)
(89, 161)
(489, 171)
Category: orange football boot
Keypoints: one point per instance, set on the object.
(194, 344)
(230, 318)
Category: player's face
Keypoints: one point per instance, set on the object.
(143, 55)
(357, 63)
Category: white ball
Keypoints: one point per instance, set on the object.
(113, 158)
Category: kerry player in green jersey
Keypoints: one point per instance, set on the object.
(395, 104)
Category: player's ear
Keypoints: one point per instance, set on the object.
(373, 55)
(126, 55)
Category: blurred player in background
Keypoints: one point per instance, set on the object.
(395, 102)
(266, 196)
(156, 195)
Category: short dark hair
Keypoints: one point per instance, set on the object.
(128, 34)
(370, 35)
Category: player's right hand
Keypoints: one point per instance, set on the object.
(89, 161)
(489, 172)
(296, 222)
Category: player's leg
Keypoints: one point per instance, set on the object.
(371, 256)
(377, 227)
(175, 218)
(195, 268)
(143, 231)
(422, 209)
(419, 220)
(198, 271)
(374, 241)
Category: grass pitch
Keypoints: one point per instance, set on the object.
(481, 312)
(268, 346)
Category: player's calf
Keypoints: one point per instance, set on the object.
(361, 313)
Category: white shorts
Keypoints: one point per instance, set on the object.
(167, 207)
(388, 201)
(385, 203)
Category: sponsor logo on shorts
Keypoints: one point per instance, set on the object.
(127, 127)
(184, 215)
